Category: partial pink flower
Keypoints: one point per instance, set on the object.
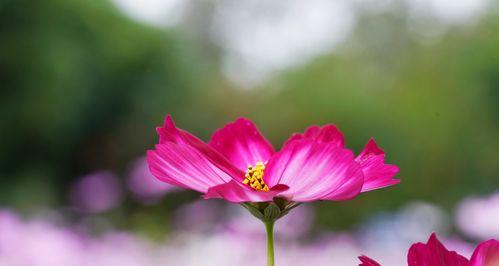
(434, 253)
(240, 165)
(486, 254)
(366, 261)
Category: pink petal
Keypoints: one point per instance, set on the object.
(377, 174)
(314, 171)
(242, 143)
(371, 149)
(327, 133)
(170, 133)
(433, 253)
(237, 192)
(486, 254)
(185, 166)
(366, 261)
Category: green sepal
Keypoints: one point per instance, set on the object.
(272, 212)
(253, 210)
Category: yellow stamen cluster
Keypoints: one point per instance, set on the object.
(254, 177)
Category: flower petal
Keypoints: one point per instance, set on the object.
(314, 171)
(237, 192)
(366, 261)
(242, 143)
(326, 133)
(433, 253)
(486, 254)
(185, 166)
(170, 133)
(377, 174)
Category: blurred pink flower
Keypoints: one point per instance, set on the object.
(240, 165)
(41, 243)
(96, 192)
(143, 185)
(119, 248)
(197, 216)
(296, 224)
(434, 253)
(478, 217)
(37, 243)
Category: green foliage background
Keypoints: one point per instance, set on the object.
(83, 87)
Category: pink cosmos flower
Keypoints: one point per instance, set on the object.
(240, 165)
(434, 253)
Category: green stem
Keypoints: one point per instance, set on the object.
(269, 227)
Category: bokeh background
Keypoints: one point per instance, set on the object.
(84, 83)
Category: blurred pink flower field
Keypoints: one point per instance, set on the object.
(48, 239)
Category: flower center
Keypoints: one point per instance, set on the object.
(254, 177)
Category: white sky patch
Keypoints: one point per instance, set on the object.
(449, 11)
(261, 37)
(154, 12)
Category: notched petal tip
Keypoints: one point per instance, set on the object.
(434, 253)
(168, 121)
(433, 239)
(168, 132)
(371, 148)
(377, 174)
(326, 133)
